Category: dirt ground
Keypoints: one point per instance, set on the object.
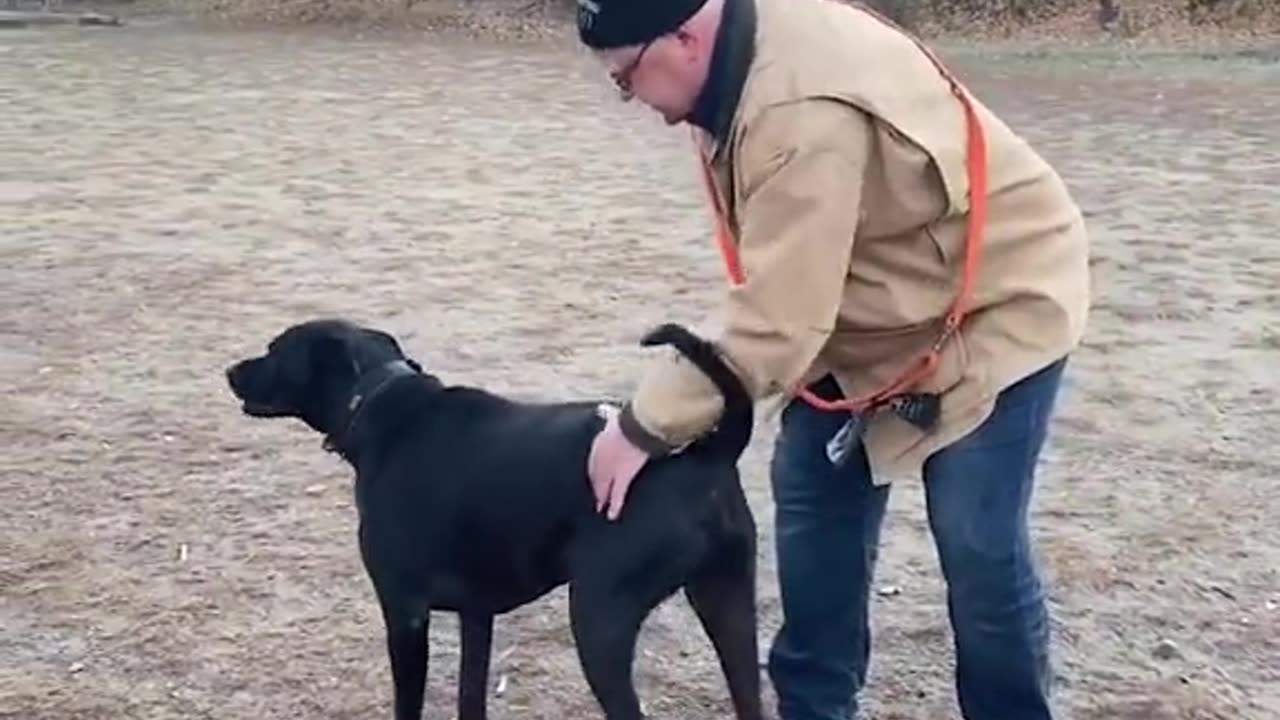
(171, 198)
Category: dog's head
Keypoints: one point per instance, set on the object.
(311, 370)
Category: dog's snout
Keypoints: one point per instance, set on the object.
(237, 376)
(233, 377)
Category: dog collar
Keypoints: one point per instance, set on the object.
(368, 386)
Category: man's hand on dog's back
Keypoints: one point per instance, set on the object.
(613, 463)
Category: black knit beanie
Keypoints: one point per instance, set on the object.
(618, 23)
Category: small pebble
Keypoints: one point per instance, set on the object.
(75, 667)
(890, 591)
(314, 490)
(1167, 650)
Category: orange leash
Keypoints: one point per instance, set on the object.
(976, 170)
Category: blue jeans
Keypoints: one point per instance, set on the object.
(827, 532)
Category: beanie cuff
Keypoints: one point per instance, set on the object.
(604, 24)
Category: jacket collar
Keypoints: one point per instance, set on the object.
(716, 105)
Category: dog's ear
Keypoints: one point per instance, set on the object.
(384, 339)
(333, 353)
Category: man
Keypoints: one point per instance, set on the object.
(908, 276)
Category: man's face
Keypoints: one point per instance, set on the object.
(662, 73)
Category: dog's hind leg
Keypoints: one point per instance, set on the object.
(473, 678)
(723, 596)
(605, 626)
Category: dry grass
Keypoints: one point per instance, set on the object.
(1157, 22)
(1164, 22)
(504, 19)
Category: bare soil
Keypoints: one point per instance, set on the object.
(173, 197)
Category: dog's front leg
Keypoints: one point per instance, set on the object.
(477, 641)
(407, 648)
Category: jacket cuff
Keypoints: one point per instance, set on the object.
(640, 436)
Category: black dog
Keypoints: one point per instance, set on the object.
(473, 503)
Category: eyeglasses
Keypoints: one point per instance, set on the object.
(622, 78)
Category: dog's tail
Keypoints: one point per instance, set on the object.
(736, 422)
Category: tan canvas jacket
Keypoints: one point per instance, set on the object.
(843, 180)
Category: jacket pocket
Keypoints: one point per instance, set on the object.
(947, 238)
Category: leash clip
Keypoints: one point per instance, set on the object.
(921, 410)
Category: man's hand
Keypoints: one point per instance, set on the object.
(613, 463)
